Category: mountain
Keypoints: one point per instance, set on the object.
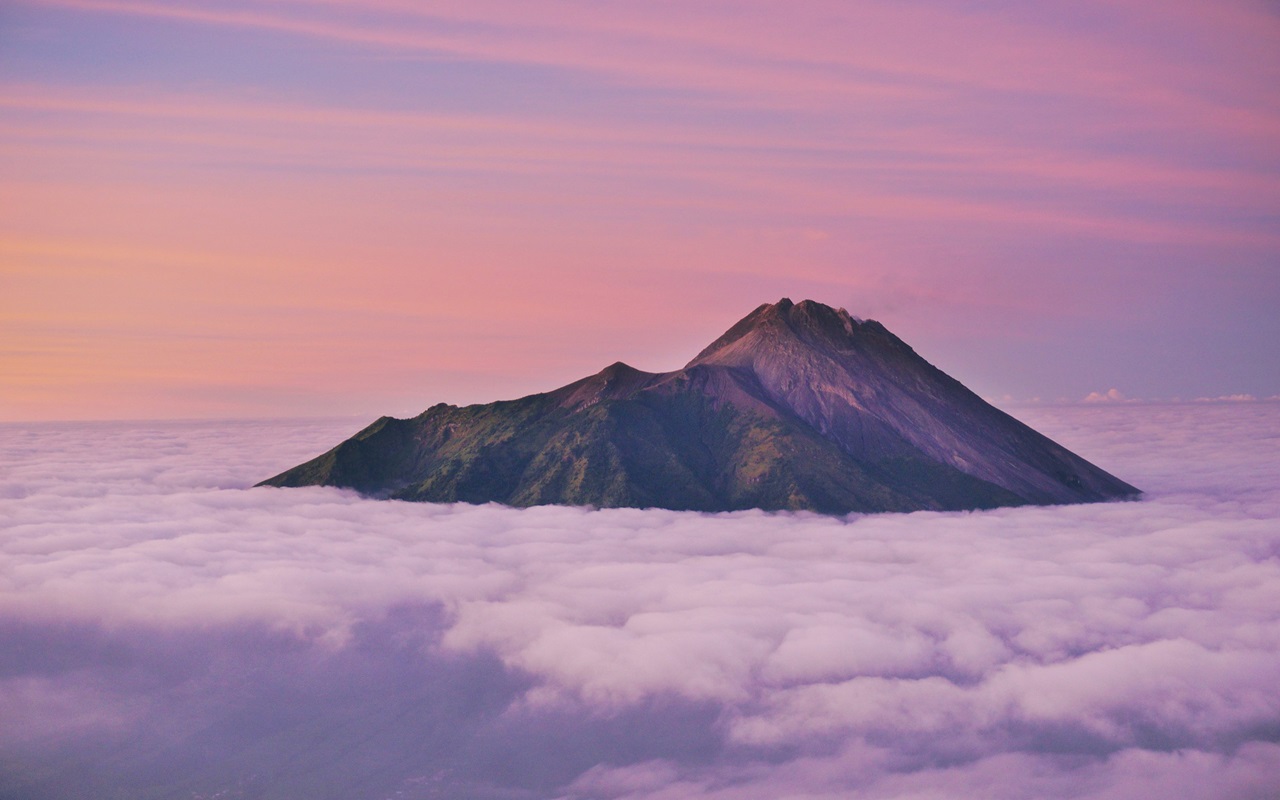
(797, 406)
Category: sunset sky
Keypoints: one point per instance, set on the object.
(331, 207)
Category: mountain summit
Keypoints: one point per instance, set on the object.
(798, 406)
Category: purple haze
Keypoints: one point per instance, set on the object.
(163, 628)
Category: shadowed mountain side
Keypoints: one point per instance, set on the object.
(854, 380)
(798, 406)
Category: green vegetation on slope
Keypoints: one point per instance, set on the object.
(679, 450)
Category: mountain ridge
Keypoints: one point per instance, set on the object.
(796, 406)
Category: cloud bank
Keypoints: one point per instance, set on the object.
(164, 629)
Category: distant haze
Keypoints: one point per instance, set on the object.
(166, 632)
(256, 208)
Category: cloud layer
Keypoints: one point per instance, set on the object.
(162, 625)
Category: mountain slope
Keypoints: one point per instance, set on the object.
(798, 406)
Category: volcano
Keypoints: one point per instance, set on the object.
(799, 406)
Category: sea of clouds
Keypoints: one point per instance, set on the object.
(167, 631)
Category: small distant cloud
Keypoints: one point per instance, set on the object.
(1228, 398)
(1117, 396)
(1109, 396)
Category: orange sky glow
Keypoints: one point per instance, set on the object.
(313, 207)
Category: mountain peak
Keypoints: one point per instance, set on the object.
(797, 406)
(782, 326)
(616, 381)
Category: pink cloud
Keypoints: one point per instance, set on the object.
(1052, 652)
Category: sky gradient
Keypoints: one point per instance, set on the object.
(300, 207)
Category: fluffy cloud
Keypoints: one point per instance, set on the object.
(162, 624)
(1109, 396)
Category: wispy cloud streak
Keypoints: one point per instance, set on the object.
(1068, 171)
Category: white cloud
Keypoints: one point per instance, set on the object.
(1109, 396)
(1228, 398)
(1083, 651)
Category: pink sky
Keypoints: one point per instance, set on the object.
(326, 207)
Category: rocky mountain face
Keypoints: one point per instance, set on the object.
(798, 406)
